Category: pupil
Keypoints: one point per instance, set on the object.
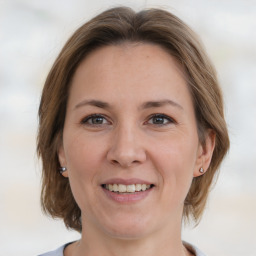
(97, 120)
(158, 120)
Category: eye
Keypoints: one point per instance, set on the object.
(95, 120)
(160, 119)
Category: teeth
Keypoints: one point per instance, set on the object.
(130, 188)
(121, 188)
(138, 187)
(115, 188)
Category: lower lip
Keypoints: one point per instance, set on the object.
(127, 198)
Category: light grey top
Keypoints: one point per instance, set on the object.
(60, 250)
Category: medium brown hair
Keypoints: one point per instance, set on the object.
(113, 27)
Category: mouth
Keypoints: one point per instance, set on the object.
(127, 189)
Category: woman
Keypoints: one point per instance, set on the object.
(131, 134)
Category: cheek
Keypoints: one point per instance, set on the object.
(82, 162)
(178, 154)
(82, 153)
(175, 161)
(83, 157)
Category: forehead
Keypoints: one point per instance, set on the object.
(132, 55)
(129, 70)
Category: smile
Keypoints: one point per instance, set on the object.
(132, 188)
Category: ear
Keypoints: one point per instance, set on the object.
(205, 152)
(62, 159)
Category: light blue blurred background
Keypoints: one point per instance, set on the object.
(31, 35)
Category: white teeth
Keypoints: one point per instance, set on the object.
(138, 187)
(121, 188)
(115, 188)
(130, 188)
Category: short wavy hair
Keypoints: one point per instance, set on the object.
(114, 27)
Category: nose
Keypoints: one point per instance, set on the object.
(126, 148)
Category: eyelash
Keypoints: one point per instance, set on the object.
(170, 120)
(85, 121)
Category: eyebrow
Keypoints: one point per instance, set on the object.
(95, 103)
(160, 103)
(145, 105)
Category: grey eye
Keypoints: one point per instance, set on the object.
(94, 120)
(97, 120)
(160, 120)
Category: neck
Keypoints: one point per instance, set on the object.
(164, 242)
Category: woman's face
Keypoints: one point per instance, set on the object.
(130, 120)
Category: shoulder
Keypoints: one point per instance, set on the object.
(57, 252)
(193, 249)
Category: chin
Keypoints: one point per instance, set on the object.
(128, 230)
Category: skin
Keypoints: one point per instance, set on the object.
(129, 143)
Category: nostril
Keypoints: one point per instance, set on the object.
(114, 161)
(124, 163)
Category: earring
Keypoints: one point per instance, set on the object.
(201, 170)
(62, 169)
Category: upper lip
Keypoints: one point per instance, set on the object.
(127, 181)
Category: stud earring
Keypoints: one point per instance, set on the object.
(201, 170)
(62, 169)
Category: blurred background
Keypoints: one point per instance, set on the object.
(31, 35)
